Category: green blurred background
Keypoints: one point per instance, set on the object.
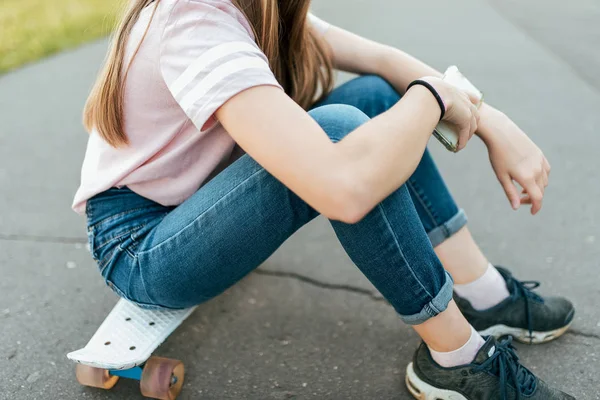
(32, 29)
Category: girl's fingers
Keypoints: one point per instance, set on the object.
(464, 135)
(540, 183)
(546, 166)
(511, 192)
(535, 194)
(473, 127)
(534, 188)
(471, 116)
(475, 120)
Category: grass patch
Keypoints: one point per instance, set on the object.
(32, 29)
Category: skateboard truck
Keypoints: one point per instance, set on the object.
(160, 378)
(122, 348)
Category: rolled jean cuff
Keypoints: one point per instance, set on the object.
(440, 233)
(434, 307)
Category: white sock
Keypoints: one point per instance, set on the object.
(465, 355)
(486, 291)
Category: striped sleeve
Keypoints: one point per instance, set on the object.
(208, 55)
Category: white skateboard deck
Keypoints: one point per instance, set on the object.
(128, 336)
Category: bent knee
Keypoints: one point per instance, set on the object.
(378, 87)
(376, 94)
(338, 120)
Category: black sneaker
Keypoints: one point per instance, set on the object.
(495, 374)
(526, 316)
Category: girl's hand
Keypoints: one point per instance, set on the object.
(461, 112)
(515, 158)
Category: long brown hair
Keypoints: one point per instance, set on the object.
(300, 60)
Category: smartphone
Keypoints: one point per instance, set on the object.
(443, 131)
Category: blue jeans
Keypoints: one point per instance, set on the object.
(176, 257)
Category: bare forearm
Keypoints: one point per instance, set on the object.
(353, 53)
(514, 157)
(400, 68)
(356, 54)
(489, 116)
(382, 154)
(345, 180)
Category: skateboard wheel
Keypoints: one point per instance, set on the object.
(162, 378)
(95, 377)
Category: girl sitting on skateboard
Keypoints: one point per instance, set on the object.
(215, 134)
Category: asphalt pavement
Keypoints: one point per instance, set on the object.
(308, 324)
